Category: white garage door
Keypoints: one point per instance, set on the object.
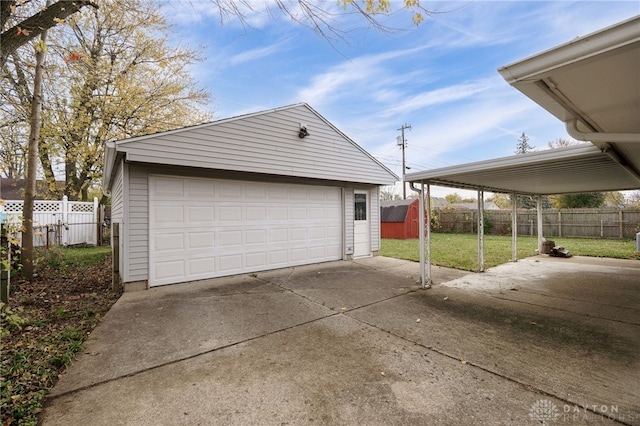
(205, 228)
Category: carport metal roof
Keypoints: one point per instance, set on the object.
(593, 85)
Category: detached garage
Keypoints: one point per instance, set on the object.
(268, 190)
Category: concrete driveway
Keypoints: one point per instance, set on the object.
(541, 341)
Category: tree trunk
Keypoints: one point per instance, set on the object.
(32, 162)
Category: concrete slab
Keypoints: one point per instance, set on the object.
(146, 329)
(567, 328)
(267, 349)
(332, 371)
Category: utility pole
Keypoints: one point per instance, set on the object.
(403, 143)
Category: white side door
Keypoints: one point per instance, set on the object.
(361, 225)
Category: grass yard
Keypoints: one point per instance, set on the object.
(460, 251)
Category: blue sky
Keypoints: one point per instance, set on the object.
(439, 77)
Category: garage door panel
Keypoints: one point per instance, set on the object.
(278, 257)
(230, 263)
(229, 214)
(255, 236)
(255, 214)
(169, 270)
(297, 213)
(298, 234)
(203, 266)
(200, 188)
(298, 254)
(201, 214)
(205, 228)
(168, 241)
(168, 214)
(169, 186)
(278, 235)
(201, 240)
(228, 190)
(230, 238)
(256, 261)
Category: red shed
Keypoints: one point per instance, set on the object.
(399, 219)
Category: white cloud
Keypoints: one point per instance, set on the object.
(368, 74)
(442, 95)
(258, 53)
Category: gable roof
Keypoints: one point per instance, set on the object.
(263, 142)
(591, 84)
(395, 210)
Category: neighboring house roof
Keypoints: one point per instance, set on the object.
(265, 142)
(395, 210)
(13, 189)
(591, 84)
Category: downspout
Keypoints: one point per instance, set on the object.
(572, 129)
(425, 281)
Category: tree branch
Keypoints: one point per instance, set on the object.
(18, 35)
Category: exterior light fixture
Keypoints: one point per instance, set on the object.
(303, 131)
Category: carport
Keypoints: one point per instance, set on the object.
(591, 84)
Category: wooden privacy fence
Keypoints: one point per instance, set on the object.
(61, 222)
(587, 223)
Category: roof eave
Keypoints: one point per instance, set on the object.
(604, 40)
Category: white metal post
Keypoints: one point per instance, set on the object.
(427, 223)
(539, 217)
(480, 230)
(514, 228)
(421, 237)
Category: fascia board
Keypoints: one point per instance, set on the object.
(602, 41)
(532, 158)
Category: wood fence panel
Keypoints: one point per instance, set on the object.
(586, 223)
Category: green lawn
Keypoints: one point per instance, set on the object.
(460, 251)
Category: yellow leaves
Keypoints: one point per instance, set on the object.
(40, 46)
(417, 18)
(385, 6)
(58, 20)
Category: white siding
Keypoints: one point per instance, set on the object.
(138, 224)
(117, 196)
(117, 212)
(375, 219)
(264, 143)
(348, 220)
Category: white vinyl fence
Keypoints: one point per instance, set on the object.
(58, 222)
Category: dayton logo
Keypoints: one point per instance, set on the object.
(544, 411)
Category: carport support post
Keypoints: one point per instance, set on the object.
(539, 217)
(425, 275)
(514, 228)
(480, 230)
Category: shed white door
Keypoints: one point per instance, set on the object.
(361, 225)
(205, 228)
